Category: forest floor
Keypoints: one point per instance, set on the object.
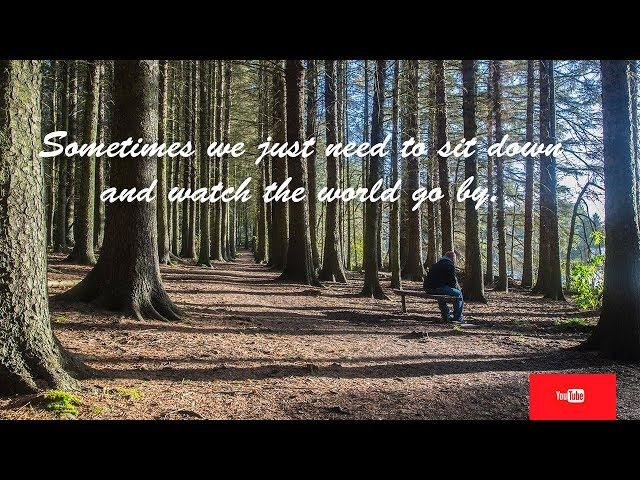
(256, 348)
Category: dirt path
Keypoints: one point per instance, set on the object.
(257, 348)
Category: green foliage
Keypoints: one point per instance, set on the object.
(128, 393)
(61, 402)
(573, 324)
(588, 282)
(97, 409)
(457, 328)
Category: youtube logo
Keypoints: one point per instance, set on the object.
(556, 396)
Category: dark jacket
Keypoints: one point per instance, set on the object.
(441, 274)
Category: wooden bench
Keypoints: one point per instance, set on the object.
(421, 294)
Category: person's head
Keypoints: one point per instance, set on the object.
(451, 255)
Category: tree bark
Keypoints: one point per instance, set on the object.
(474, 284)
(489, 267)
(549, 274)
(163, 225)
(72, 136)
(431, 161)
(216, 228)
(372, 287)
(60, 220)
(103, 126)
(332, 259)
(502, 284)
(412, 269)
(312, 131)
(527, 261)
(617, 334)
(299, 267)
(30, 355)
(127, 275)
(204, 259)
(224, 206)
(394, 221)
(85, 171)
(446, 224)
(279, 209)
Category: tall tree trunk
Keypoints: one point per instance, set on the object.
(49, 104)
(394, 221)
(261, 207)
(331, 258)
(446, 224)
(127, 275)
(365, 138)
(372, 287)
(186, 171)
(279, 209)
(204, 226)
(30, 355)
(617, 334)
(489, 279)
(103, 126)
(224, 206)
(85, 171)
(474, 284)
(527, 261)
(163, 225)
(216, 228)
(72, 136)
(431, 161)
(502, 284)
(178, 128)
(193, 176)
(312, 131)
(299, 267)
(549, 273)
(60, 221)
(633, 86)
(412, 269)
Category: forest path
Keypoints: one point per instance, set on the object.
(255, 347)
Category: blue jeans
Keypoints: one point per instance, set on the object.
(444, 308)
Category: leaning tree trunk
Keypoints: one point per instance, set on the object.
(127, 275)
(85, 173)
(163, 224)
(502, 284)
(299, 267)
(446, 223)
(30, 355)
(527, 261)
(331, 258)
(372, 287)
(474, 284)
(572, 229)
(617, 334)
(413, 269)
(311, 131)
(279, 209)
(394, 220)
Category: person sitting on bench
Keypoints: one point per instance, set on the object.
(441, 280)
